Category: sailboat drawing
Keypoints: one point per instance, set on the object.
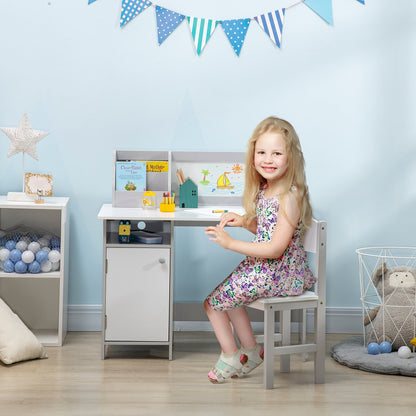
(223, 182)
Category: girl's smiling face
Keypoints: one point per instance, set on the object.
(270, 157)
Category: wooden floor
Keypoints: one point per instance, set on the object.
(75, 381)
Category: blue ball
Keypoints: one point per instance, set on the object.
(20, 267)
(373, 348)
(41, 256)
(10, 245)
(385, 347)
(34, 267)
(8, 266)
(15, 255)
(55, 242)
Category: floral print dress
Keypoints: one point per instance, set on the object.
(257, 277)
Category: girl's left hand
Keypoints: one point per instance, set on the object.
(219, 235)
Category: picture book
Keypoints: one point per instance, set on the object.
(130, 176)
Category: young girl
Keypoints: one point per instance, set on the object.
(278, 211)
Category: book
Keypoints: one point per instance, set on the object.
(130, 176)
(157, 172)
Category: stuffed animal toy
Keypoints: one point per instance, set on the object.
(394, 320)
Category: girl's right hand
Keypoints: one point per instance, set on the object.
(231, 219)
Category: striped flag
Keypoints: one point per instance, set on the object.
(201, 30)
(272, 24)
(131, 8)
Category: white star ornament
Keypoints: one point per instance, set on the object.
(23, 138)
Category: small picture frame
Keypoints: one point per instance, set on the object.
(38, 184)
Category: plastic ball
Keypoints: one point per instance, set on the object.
(8, 266)
(55, 242)
(55, 266)
(44, 242)
(46, 249)
(21, 245)
(34, 246)
(34, 267)
(15, 255)
(373, 348)
(54, 256)
(385, 347)
(404, 352)
(20, 267)
(46, 267)
(41, 256)
(28, 256)
(10, 245)
(4, 254)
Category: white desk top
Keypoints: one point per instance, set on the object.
(203, 213)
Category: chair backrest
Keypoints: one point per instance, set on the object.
(315, 242)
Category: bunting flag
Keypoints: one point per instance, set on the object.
(131, 8)
(167, 21)
(236, 31)
(322, 8)
(272, 24)
(201, 30)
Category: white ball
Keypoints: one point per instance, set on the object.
(44, 242)
(54, 256)
(404, 352)
(34, 246)
(4, 254)
(55, 266)
(47, 249)
(46, 266)
(28, 256)
(47, 236)
(21, 245)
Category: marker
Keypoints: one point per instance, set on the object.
(218, 211)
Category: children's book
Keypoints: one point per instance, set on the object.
(130, 176)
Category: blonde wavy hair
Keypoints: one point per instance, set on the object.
(295, 174)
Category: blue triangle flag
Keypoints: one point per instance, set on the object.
(167, 21)
(236, 31)
(272, 24)
(323, 8)
(131, 8)
(91, 1)
(361, 1)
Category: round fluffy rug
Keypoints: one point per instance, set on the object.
(352, 353)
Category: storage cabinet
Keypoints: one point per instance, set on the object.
(40, 300)
(137, 295)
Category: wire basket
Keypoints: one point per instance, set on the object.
(387, 283)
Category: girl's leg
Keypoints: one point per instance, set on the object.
(242, 326)
(221, 325)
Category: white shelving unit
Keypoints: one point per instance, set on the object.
(40, 300)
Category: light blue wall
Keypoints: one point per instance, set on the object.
(349, 90)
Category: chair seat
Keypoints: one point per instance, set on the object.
(262, 303)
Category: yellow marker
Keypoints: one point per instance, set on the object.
(218, 211)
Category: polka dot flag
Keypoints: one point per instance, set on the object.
(167, 21)
(201, 30)
(272, 24)
(131, 8)
(236, 31)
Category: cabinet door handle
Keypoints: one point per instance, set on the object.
(162, 261)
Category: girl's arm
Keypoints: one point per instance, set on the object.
(285, 228)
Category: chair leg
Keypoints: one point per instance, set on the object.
(320, 343)
(285, 331)
(302, 334)
(268, 373)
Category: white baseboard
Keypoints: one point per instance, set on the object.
(338, 320)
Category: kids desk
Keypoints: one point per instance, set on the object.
(138, 278)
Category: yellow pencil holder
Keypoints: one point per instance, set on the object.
(167, 207)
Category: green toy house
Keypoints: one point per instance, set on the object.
(188, 194)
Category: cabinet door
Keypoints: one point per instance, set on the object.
(137, 294)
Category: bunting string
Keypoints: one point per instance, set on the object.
(201, 29)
